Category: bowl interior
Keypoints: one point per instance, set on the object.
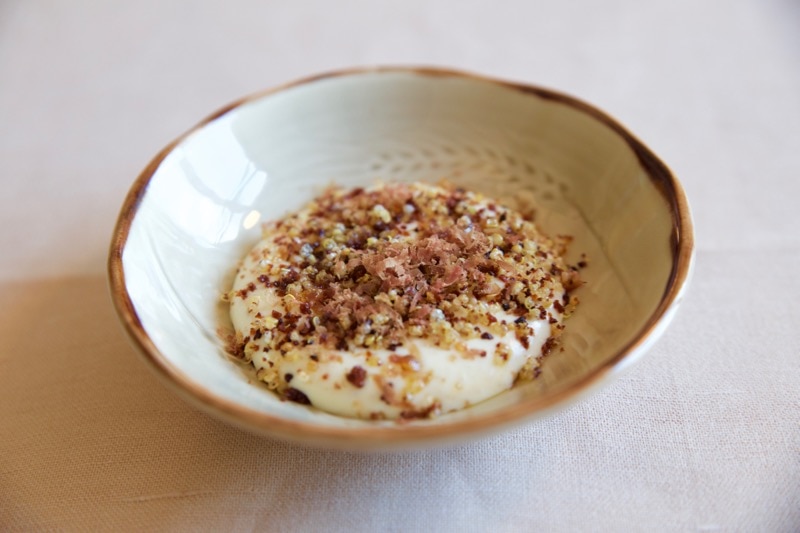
(204, 203)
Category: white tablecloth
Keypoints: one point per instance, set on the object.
(703, 434)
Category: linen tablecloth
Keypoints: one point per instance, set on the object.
(702, 435)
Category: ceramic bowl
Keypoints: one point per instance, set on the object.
(198, 206)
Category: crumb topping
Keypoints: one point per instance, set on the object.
(375, 270)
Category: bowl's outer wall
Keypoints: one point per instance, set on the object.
(196, 209)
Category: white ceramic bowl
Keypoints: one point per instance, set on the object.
(197, 208)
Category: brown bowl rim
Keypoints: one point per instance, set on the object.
(403, 435)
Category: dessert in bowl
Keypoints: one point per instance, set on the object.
(198, 209)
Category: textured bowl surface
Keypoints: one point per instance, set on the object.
(198, 206)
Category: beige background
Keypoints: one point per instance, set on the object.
(702, 435)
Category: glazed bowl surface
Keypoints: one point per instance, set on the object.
(197, 208)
